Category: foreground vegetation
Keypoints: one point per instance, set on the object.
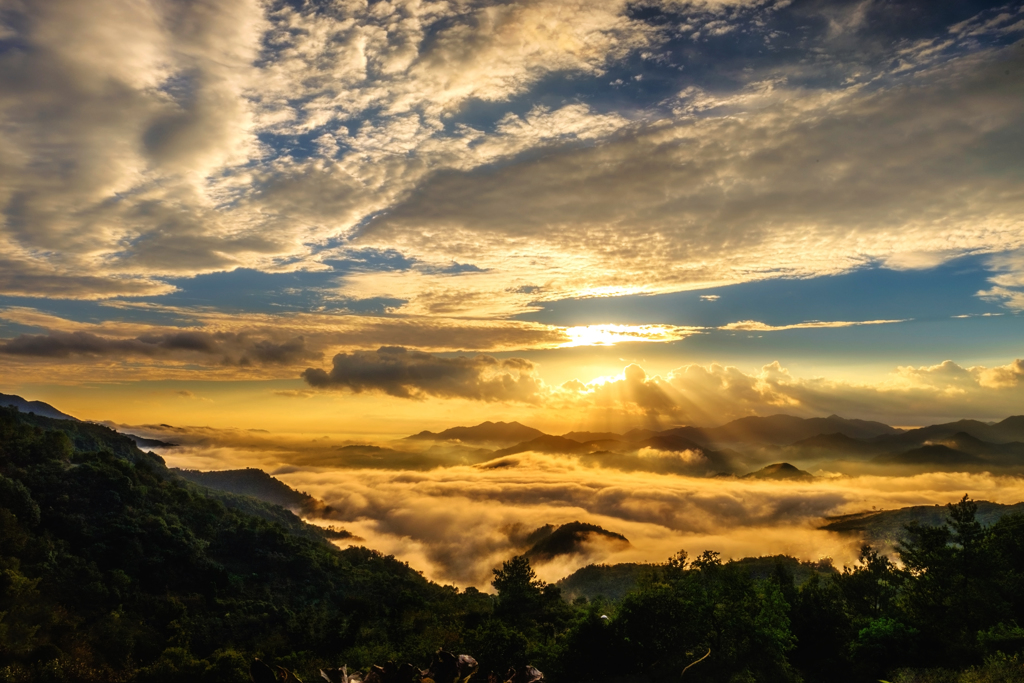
(113, 568)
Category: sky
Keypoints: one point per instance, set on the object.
(378, 217)
(271, 230)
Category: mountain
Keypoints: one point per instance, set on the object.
(584, 437)
(812, 437)
(46, 410)
(37, 407)
(87, 436)
(628, 456)
(486, 432)
(884, 528)
(1002, 454)
(256, 483)
(570, 539)
(1009, 430)
(546, 443)
(782, 430)
(965, 442)
(668, 442)
(638, 434)
(837, 444)
(781, 471)
(933, 454)
(250, 482)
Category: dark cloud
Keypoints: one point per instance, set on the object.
(236, 348)
(407, 373)
(19, 278)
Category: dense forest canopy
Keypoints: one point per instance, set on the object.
(114, 568)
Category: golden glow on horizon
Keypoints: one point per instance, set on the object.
(609, 335)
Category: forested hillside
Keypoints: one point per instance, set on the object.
(113, 568)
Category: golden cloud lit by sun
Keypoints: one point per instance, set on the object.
(609, 335)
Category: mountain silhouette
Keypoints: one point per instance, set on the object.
(487, 432)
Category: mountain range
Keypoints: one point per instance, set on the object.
(739, 447)
(749, 443)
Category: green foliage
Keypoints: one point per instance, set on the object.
(999, 668)
(519, 591)
(498, 646)
(113, 568)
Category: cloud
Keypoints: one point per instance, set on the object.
(456, 522)
(688, 457)
(28, 277)
(295, 393)
(462, 539)
(280, 346)
(148, 139)
(707, 395)
(755, 326)
(774, 180)
(142, 155)
(1005, 376)
(609, 335)
(268, 342)
(406, 373)
(137, 100)
(234, 348)
(1008, 280)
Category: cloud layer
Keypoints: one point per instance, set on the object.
(560, 149)
(456, 522)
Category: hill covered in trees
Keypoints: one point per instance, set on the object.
(114, 568)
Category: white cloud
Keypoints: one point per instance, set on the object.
(755, 326)
(713, 394)
(455, 522)
(1008, 280)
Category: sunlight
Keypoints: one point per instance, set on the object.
(609, 335)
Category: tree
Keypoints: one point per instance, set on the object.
(954, 594)
(519, 589)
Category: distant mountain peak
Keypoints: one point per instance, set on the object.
(485, 432)
(569, 539)
(781, 471)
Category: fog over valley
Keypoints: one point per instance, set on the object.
(456, 503)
